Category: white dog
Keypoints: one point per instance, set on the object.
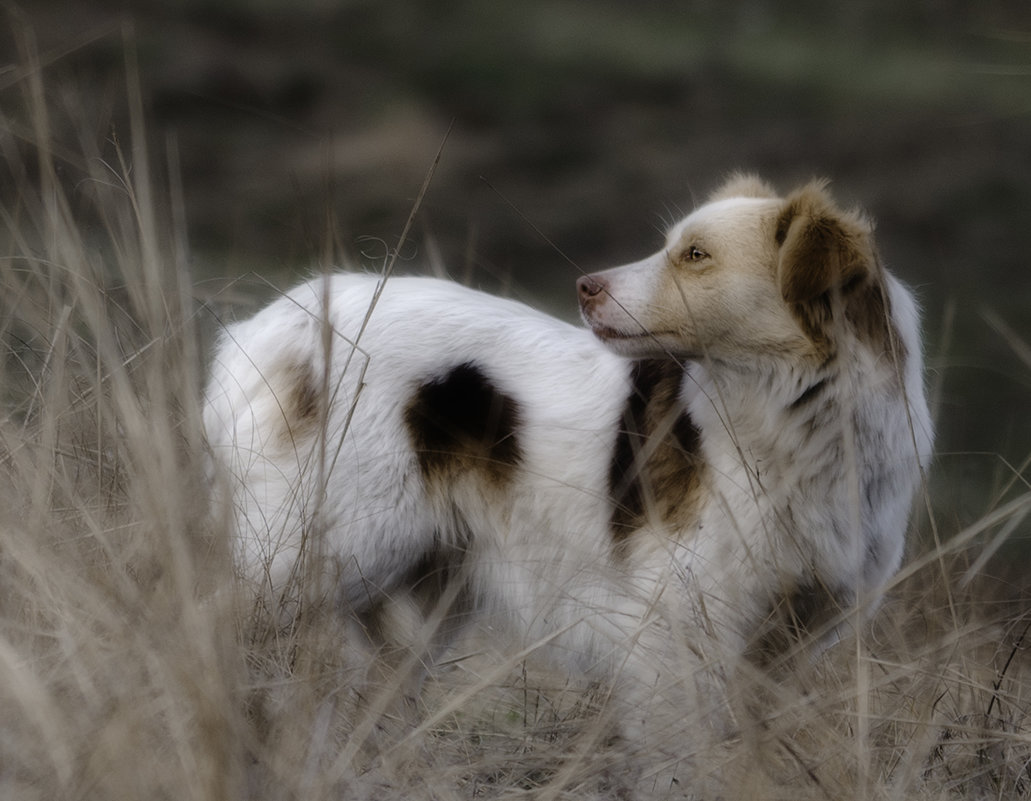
(725, 459)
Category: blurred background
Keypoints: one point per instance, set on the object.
(301, 132)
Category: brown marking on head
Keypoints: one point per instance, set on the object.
(462, 423)
(821, 247)
(828, 271)
(655, 473)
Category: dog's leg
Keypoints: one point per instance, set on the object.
(408, 633)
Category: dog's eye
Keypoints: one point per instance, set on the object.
(694, 253)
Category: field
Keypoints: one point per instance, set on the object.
(130, 664)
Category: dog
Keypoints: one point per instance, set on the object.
(719, 465)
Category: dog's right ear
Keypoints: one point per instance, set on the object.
(821, 247)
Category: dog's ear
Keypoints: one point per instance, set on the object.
(821, 247)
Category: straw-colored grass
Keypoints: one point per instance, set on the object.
(132, 667)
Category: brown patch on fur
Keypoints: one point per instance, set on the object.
(869, 313)
(305, 396)
(300, 402)
(797, 615)
(655, 474)
(821, 247)
(742, 184)
(438, 587)
(829, 273)
(463, 423)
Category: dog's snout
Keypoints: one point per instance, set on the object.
(590, 286)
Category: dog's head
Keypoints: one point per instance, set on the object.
(748, 275)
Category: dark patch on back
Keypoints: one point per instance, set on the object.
(300, 396)
(795, 616)
(305, 396)
(655, 468)
(462, 422)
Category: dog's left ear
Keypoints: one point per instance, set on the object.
(821, 247)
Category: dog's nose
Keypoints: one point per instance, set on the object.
(589, 286)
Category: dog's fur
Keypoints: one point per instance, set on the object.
(724, 459)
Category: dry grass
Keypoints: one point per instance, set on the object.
(129, 668)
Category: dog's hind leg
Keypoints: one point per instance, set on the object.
(408, 633)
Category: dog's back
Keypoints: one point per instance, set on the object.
(445, 422)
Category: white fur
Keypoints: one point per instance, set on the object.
(785, 498)
(375, 515)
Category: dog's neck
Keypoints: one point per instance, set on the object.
(765, 419)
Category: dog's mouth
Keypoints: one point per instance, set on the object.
(641, 344)
(606, 333)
